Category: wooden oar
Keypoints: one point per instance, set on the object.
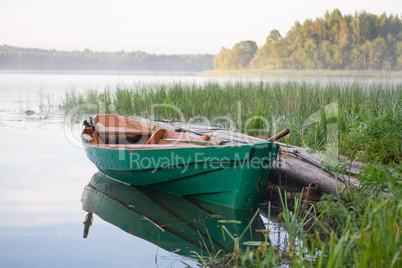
(279, 135)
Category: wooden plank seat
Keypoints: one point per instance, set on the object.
(121, 131)
(156, 136)
(88, 138)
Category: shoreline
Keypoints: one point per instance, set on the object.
(299, 73)
(100, 72)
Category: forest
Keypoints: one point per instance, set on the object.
(362, 41)
(16, 58)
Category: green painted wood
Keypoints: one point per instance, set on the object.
(234, 176)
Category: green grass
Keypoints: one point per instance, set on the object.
(363, 119)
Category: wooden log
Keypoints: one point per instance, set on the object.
(303, 173)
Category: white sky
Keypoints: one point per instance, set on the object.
(161, 26)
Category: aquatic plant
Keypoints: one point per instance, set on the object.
(293, 220)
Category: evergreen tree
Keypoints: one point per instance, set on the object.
(361, 41)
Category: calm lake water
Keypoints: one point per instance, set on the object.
(44, 192)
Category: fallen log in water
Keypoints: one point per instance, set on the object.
(303, 168)
(304, 173)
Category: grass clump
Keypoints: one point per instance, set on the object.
(367, 221)
(374, 134)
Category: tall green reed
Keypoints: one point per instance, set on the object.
(293, 220)
(363, 114)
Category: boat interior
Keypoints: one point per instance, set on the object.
(113, 131)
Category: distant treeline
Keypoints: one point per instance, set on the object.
(362, 41)
(15, 58)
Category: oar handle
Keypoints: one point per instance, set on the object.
(279, 135)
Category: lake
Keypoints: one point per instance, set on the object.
(48, 185)
(44, 177)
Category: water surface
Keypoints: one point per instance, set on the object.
(44, 175)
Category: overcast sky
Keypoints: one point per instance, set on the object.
(161, 26)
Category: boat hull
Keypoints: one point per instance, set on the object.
(233, 176)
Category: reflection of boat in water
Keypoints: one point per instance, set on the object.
(177, 224)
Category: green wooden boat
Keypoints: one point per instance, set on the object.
(174, 223)
(207, 168)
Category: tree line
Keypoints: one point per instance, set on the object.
(362, 41)
(16, 58)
